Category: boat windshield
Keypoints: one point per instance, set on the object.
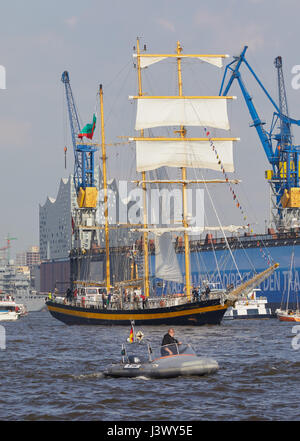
(139, 353)
(173, 349)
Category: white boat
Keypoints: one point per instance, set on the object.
(249, 307)
(17, 285)
(288, 315)
(167, 361)
(10, 310)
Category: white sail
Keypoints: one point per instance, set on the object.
(216, 61)
(200, 230)
(146, 61)
(166, 263)
(158, 112)
(151, 155)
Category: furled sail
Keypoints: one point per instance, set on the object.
(182, 111)
(162, 230)
(147, 59)
(166, 263)
(151, 155)
(216, 61)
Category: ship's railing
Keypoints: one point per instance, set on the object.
(247, 240)
(150, 303)
(250, 301)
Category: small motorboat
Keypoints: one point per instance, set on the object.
(168, 361)
(288, 315)
(9, 309)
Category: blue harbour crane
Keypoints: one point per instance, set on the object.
(84, 217)
(277, 143)
(84, 179)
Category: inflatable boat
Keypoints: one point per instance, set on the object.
(166, 362)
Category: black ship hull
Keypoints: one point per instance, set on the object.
(208, 312)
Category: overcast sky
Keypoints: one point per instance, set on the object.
(93, 40)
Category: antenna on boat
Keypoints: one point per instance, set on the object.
(149, 352)
(123, 353)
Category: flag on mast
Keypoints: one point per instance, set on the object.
(131, 334)
(88, 129)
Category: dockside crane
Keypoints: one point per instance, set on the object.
(83, 152)
(282, 154)
(8, 246)
(2, 251)
(84, 177)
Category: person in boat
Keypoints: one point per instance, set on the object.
(103, 300)
(195, 294)
(207, 292)
(169, 343)
(229, 287)
(136, 300)
(69, 294)
(131, 298)
(108, 299)
(144, 300)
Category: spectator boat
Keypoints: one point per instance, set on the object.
(160, 364)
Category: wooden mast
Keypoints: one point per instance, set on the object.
(182, 132)
(105, 192)
(145, 217)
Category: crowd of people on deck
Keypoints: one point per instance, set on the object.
(116, 298)
(199, 295)
(122, 298)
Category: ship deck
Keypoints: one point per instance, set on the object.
(218, 243)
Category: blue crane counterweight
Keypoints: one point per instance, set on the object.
(281, 153)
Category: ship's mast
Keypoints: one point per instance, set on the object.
(145, 158)
(106, 227)
(145, 217)
(182, 132)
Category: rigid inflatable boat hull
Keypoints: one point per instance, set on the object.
(166, 367)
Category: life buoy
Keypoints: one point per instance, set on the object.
(162, 303)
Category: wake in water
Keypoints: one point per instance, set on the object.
(87, 376)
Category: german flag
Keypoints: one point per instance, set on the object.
(131, 335)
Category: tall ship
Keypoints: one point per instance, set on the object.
(116, 298)
(252, 250)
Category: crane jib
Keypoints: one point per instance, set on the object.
(281, 153)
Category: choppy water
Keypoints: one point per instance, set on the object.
(50, 371)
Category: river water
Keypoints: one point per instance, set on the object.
(51, 371)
